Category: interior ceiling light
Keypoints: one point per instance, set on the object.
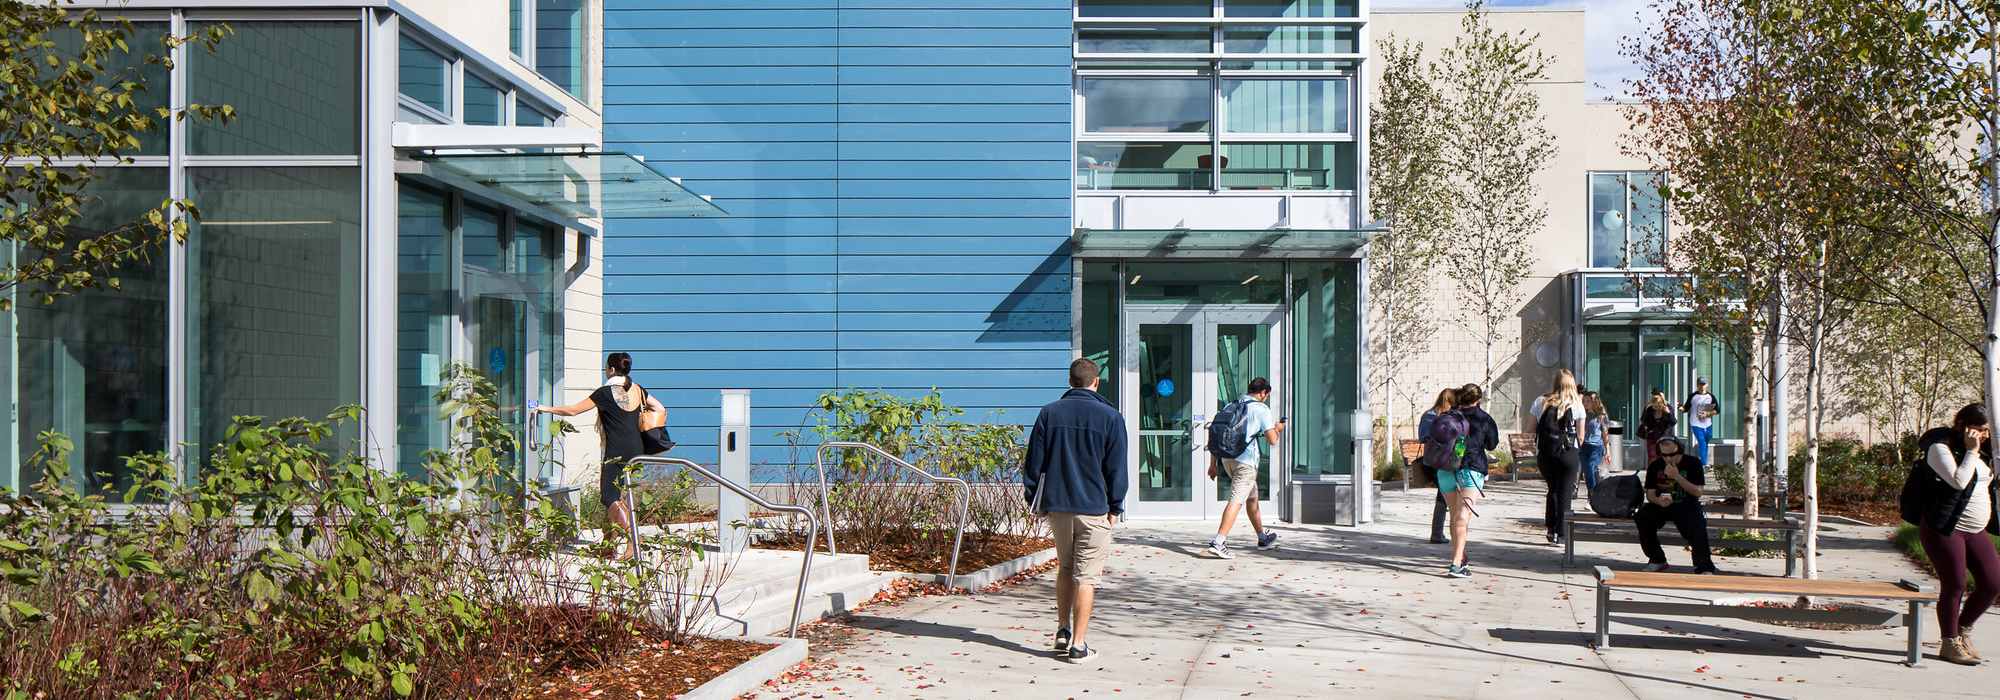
(1248, 280)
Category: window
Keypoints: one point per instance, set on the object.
(530, 115)
(1291, 8)
(1289, 106)
(1628, 220)
(274, 274)
(485, 103)
(1143, 40)
(147, 38)
(1146, 105)
(1142, 166)
(424, 76)
(295, 89)
(93, 365)
(1180, 96)
(1144, 8)
(1325, 377)
(424, 322)
(295, 86)
(553, 37)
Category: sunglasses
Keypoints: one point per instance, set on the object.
(1670, 454)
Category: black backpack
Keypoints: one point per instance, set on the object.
(1617, 496)
(1554, 431)
(1225, 434)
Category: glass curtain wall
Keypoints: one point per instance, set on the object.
(1225, 105)
(423, 321)
(1625, 362)
(1326, 354)
(1100, 321)
(93, 366)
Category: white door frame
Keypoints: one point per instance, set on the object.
(1203, 319)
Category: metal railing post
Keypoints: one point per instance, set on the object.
(812, 523)
(964, 503)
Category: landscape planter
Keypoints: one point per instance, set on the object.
(989, 575)
(752, 674)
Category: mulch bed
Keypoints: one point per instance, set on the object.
(708, 517)
(927, 556)
(656, 670)
(1833, 626)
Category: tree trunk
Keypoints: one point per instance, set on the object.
(1781, 388)
(1752, 451)
(1815, 413)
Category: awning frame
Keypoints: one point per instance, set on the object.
(1256, 244)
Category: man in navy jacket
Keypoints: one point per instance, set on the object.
(1075, 473)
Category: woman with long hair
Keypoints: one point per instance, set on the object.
(1559, 418)
(1591, 452)
(618, 403)
(1955, 513)
(1446, 400)
(1656, 422)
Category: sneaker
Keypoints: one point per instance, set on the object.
(1220, 551)
(1953, 650)
(1655, 566)
(1081, 652)
(1708, 571)
(1554, 538)
(1458, 571)
(1268, 540)
(1062, 638)
(1436, 539)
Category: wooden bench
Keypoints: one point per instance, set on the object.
(1629, 534)
(1412, 453)
(1521, 446)
(1916, 595)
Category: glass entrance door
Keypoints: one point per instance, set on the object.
(1670, 373)
(1181, 366)
(504, 331)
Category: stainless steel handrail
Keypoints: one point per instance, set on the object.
(964, 496)
(812, 522)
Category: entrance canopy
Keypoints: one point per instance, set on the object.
(603, 185)
(1212, 243)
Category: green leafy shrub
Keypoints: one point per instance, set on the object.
(1851, 472)
(288, 570)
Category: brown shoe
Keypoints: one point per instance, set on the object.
(1965, 642)
(1953, 650)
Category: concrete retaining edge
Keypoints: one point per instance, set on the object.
(752, 674)
(989, 575)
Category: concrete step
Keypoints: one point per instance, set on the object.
(771, 615)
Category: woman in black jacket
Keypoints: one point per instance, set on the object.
(1656, 422)
(1958, 512)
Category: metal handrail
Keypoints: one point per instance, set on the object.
(964, 497)
(812, 521)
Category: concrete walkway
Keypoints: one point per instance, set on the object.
(1365, 612)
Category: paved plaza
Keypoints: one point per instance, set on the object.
(1340, 612)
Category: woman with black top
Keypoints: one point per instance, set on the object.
(1559, 418)
(618, 404)
(1656, 422)
(1957, 514)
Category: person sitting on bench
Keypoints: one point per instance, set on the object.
(1673, 493)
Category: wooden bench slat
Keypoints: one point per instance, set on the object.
(1765, 585)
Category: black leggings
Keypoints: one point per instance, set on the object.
(1953, 553)
(1559, 473)
(1688, 518)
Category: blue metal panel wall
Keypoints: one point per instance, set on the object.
(897, 174)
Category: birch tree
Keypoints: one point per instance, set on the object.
(1408, 177)
(1497, 147)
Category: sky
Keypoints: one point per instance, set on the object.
(1606, 21)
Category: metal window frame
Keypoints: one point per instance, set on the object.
(526, 57)
(1589, 211)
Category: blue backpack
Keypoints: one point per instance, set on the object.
(1226, 438)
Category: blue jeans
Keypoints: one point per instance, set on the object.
(1701, 441)
(1591, 456)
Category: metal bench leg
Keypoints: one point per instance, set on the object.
(1603, 616)
(1569, 542)
(1916, 625)
(1791, 552)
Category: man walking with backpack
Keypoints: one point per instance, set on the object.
(1075, 473)
(1232, 445)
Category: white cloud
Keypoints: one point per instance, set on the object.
(1606, 24)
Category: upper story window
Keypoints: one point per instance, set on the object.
(553, 38)
(1628, 220)
(1200, 95)
(440, 86)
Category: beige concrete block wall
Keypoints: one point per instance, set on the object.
(1587, 137)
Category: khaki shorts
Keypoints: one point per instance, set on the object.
(1242, 480)
(1083, 542)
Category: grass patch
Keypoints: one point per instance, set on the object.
(1907, 540)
